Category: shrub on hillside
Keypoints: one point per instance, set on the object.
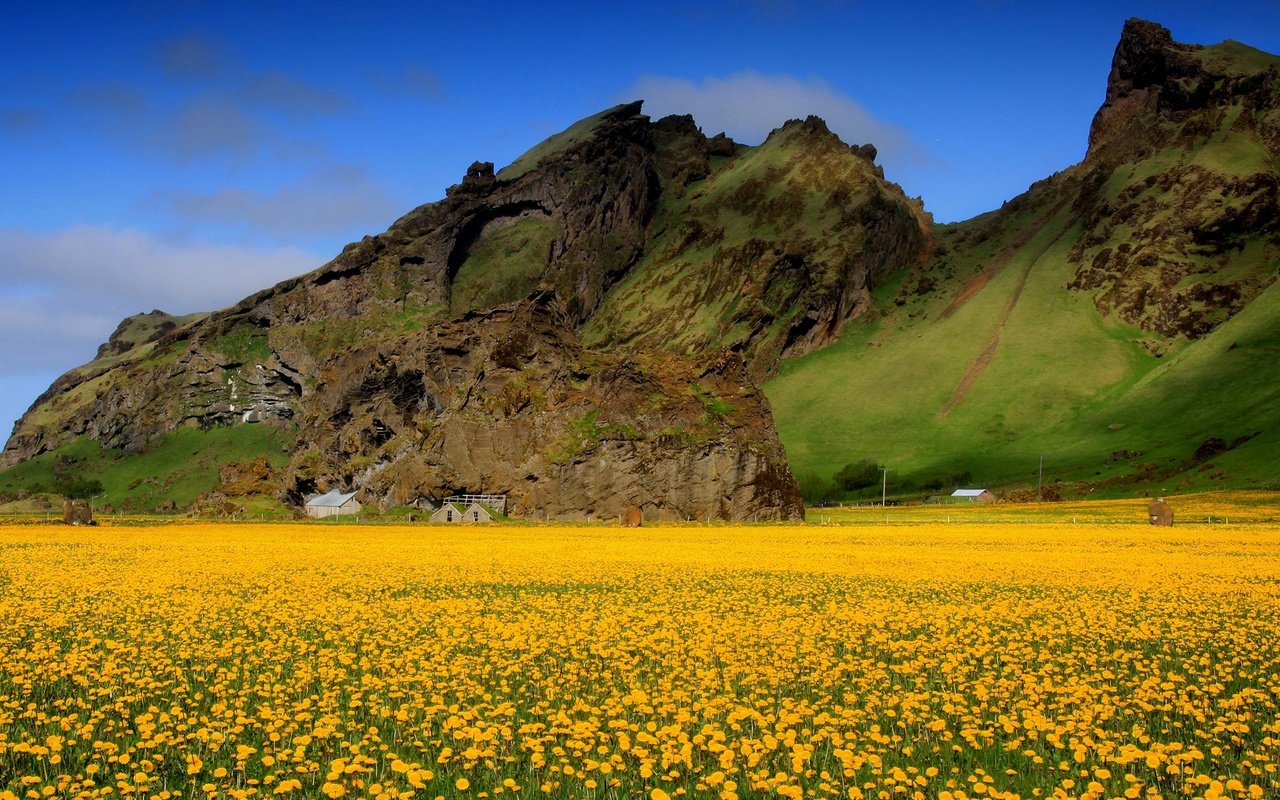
(860, 475)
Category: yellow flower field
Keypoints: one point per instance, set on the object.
(929, 661)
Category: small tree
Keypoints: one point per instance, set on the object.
(77, 488)
(860, 475)
(68, 482)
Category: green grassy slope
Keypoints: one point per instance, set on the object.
(556, 143)
(177, 468)
(505, 266)
(936, 388)
(1120, 320)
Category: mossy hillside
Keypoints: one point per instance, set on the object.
(177, 468)
(1236, 58)
(134, 337)
(557, 143)
(1139, 353)
(505, 265)
(774, 231)
(883, 390)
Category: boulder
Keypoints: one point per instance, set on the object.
(76, 512)
(1160, 513)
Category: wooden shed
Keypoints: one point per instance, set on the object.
(333, 504)
(974, 495)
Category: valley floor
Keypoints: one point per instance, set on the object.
(948, 660)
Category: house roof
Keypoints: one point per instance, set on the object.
(334, 499)
(968, 492)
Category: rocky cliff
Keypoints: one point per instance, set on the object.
(507, 400)
(1179, 197)
(762, 251)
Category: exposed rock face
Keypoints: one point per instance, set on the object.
(1204, 123)
(507, 401)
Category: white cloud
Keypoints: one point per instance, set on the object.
(334, 200)
(64, 292)
(747, 105)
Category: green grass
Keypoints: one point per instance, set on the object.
(1235, 58)
(177, 468)
(1063, 382)
(505, 265)
(246, 343)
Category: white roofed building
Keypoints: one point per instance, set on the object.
(974, 495)
(332, 504)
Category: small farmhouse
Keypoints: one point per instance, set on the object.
(447, 512)
(456, 512)
(333, 504)
(974, 495)
(477, 512)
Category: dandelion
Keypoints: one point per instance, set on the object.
(957, 661)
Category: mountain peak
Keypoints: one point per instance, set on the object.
(1146, 55)
(579, 131)
(1158, 83)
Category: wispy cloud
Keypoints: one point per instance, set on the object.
(329, 201)
(747, 105)
(20, 121)
(64, 292)
(412, 80)
(207, 128)
(213, 107)
(192, 58)
(277, 91)
(112, 102)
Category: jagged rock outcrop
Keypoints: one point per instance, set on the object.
(507, 401)
(1204, 123)
(769, 256)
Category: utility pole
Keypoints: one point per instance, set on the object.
(1040, 480)
(884, 486)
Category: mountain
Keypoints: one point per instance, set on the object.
(587, 328)
(417, 311)
(1120, 319)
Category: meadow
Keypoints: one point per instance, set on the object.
(931, 660)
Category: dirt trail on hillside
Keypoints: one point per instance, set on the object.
(988, 353)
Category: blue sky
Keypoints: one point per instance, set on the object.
(180, 155)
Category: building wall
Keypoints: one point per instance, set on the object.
(347, 508)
